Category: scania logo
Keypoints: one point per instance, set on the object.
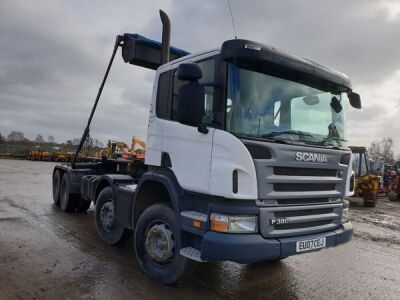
(313, 157)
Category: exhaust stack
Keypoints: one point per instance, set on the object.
(166, 35)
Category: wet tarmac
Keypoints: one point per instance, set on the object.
(47, 254)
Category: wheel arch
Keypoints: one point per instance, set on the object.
(156, 187)
(60, 169)
(111, 181)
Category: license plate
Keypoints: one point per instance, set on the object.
(312, 244)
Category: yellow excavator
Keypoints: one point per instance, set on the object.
(138, 153)
(117, 149)
(367, 184)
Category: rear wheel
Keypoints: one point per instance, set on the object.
(68, 201)
(157, 245)
(56, 186)
(107, 226)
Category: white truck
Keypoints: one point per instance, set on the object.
(247, 159)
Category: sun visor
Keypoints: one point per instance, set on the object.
(267, 59)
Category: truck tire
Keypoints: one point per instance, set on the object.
(393, 196)
(68, 201)
(157, 244)
(106, 225)
(56, 186)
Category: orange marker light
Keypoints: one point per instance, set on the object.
(219, 223)
(196, 224)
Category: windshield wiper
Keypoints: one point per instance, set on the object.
(332, 138)
(276, 133)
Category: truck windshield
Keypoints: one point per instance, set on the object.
(263, 106)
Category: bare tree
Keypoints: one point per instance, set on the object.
(2, 139)
(383, 148)
(51, 139)
(16, 136)
(39, 138)
(97, 144)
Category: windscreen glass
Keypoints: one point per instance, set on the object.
(264, 106)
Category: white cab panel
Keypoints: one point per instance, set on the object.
(154, 132)
(229, 154)
(190, 154)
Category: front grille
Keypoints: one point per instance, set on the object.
(301, 187)
(299, 220)
(302, 225)
(302, 201)
(301, 213)
(286, 171)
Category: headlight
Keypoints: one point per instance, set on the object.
(233, 224)
(345, 213)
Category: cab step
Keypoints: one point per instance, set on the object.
(191, 253)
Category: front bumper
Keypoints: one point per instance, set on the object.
(249, 248)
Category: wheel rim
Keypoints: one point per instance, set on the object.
(160, 243)
(107, 216)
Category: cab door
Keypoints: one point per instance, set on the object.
(188, 149)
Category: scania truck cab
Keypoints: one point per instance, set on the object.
(247, 160)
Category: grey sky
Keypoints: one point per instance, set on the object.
(53, 55)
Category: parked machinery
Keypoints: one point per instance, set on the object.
(367, 184)
(138, 153)
(393, 185)
(377, 167)
(34, 154)
(114, 149)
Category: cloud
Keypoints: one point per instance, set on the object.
(53, 55)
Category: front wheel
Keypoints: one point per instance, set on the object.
(157, 245)
(108, 228)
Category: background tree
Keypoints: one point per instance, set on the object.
(51, 139)
(16, 136)
(39, 138)
(2, 140)
(382, 148)
(97, 143)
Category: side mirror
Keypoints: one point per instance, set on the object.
(355, 100)
(189, 72)
(190, 96)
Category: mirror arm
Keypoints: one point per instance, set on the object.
(203, 128)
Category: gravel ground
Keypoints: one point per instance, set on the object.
(47, 254)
